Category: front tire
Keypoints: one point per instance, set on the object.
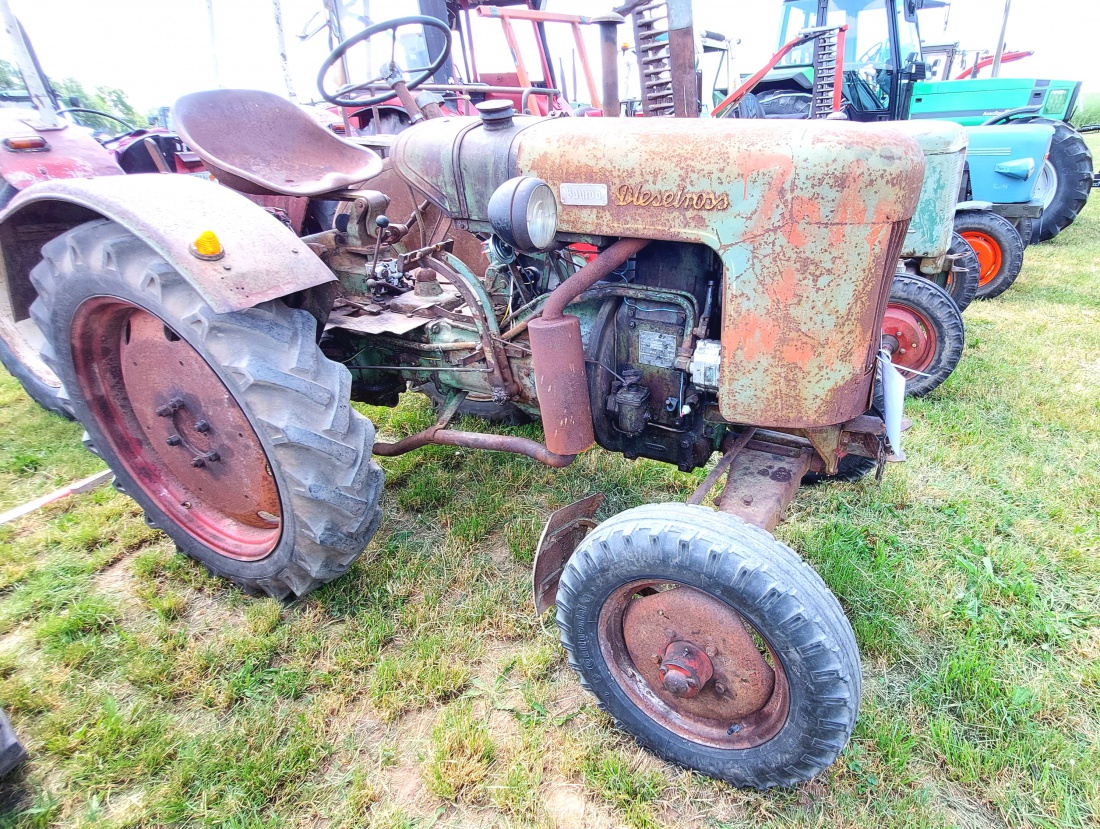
(658, 595)
(232, 431)
(928, 329)
(960, 280)
(999, 247)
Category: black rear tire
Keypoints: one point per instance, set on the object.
(45, 391)
(849, 470)
(316, 446)
(506, 414)
(49, 397)
(999, 247)
(1071, 162)
(940, 323)
(748, 571)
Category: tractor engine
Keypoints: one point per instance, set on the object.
(758, 261)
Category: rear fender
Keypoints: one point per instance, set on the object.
(263, 259)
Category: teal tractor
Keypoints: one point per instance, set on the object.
(885, 77)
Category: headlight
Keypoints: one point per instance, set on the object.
(524, 213)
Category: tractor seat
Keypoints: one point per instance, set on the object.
(261, 144)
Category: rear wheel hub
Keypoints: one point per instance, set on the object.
(176, 428)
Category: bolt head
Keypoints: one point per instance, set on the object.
(213, 456)
(719, 687)
(202, 426)
(198, 463)
(173, 440)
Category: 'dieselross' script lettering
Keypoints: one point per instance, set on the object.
(676, 199)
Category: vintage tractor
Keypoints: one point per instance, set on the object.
(734, 304)
(835, 64)
(886, 77)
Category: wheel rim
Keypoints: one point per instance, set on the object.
(915, 335)
(1046, 185)
(693, 664)
(175, 428)
(989, 254)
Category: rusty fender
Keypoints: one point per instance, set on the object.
(474, 440)
(263, 259)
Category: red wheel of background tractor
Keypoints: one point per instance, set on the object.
(233, 431)
(716, 646)
(999, 248)
(925, 329)
(990, 259)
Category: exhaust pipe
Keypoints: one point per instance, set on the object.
(557, 354)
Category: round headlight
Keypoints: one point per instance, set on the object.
(524, 213)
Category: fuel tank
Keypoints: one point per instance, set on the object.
(808, 218)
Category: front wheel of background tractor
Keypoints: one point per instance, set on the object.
(961, 279)
(998, 245)
(928, 329)
(712, 643)
(232, 431)
(1025, 226)
(1064, 182)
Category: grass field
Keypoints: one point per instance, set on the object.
(420, 689)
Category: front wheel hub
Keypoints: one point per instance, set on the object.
(685, 669)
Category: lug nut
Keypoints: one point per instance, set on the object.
(202, 426)
(170, 408)
(719, 687)
(198, 462)
(173, 440)
(213, 456)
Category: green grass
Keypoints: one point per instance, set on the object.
(420, 690)
(1088, 111)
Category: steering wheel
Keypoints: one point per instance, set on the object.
(391, 71)
(872, 53)
(100, 114)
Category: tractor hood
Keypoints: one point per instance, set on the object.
(677, 179)
(808, 218)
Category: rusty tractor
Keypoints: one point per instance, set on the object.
(733, 305)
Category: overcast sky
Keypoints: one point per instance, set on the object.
(157, 50)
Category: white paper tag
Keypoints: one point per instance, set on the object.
(594, 195)
(893, 394)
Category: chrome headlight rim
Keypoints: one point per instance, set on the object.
(524, 213)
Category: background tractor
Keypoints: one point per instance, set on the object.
(885, 77)
(732, 301)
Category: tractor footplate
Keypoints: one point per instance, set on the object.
(761, 484)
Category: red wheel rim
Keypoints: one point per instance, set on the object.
(989, 254)
(654, 632)
(175, 428)
(914, 333)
